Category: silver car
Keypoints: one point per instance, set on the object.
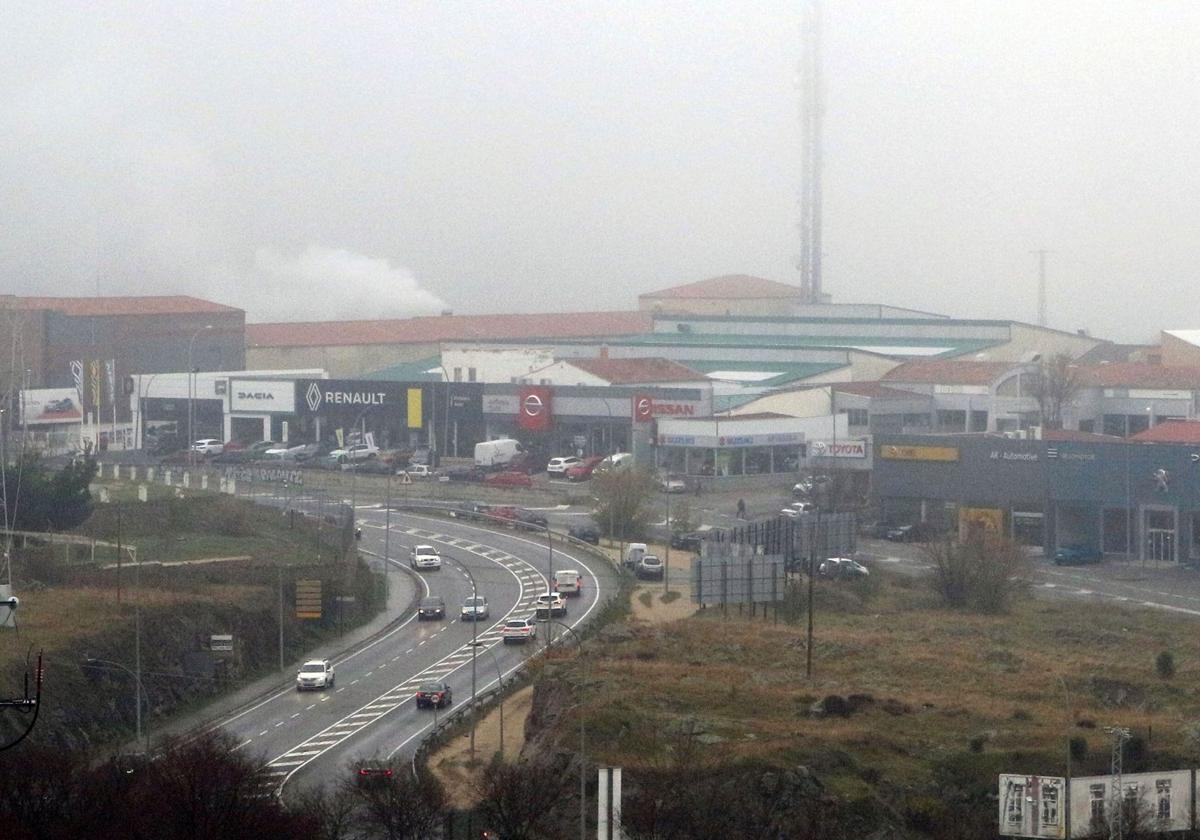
(475, 608)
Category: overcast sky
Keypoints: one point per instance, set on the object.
(333, 160)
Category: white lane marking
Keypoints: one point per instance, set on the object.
(324, 699)
(279, 724)
(264, 732)
(343, 688)
(244, 743)
(296, 715)
(369, 673)
(355, 682)
(309, 706)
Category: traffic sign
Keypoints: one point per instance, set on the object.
(308, 599)
(405, 478)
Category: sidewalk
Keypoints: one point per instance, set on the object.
(402, 594)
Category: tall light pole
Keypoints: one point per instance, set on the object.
(474, 649)
(582, 732)
(499, 686)
(139, 691)
(192, 387)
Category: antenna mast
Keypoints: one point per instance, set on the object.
(811, 115)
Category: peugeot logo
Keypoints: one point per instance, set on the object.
(533, 405)
(313, 396)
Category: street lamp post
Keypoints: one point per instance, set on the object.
(192, 388)
(500, 688)
(474, 647)
(139, 691)
(582, 733)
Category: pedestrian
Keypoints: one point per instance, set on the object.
(741, 509)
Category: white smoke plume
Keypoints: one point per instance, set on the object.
(327, 284)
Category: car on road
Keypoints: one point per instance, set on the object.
(424, 557)
(687, 540)
(372, 772)
(1077, 554)
(550, 605)
(257, 448)
(795, 509)
(208, 446)
(568, 582)
(518, 630)
(475, 608)
(355, 452)
(372, 466)
(434, 695)
(650, 567)
(585, 533)
(466, 474)
(314, 674)
(842, 567)
(431, 607)
(508, 478)
(559, 466)
(584, 469)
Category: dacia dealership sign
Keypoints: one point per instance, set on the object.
(265, 395)
(336, 396)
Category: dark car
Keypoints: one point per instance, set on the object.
(237, 456)
(875, 530)
(433, 695)
(585, 533)
(466, 474)
(1077, 554)
(431, 607)
(917, 532)
(531, 517)
(372, 466)
(373, 772)
(687, 540)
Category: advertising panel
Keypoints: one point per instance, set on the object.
(533, 408)
(840, 449)
(262, 395)
(44, 406)
(348, 396)
(895, 452)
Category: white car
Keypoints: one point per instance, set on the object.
(672, 484)
(518, 630)
(355, 452)
(285, 451)
(314, 674)
(842, 567)
(419, 471)
(208, 446)
(550, 604)
(559, 466)
(425, 557)
(794, 510)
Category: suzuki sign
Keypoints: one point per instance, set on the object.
(262, 395)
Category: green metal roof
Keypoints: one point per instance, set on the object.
(418, 371)
(928, 347)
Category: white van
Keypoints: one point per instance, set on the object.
(634, 552)
(568, 583)
(496, 453)
(615, 461)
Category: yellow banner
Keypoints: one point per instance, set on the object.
(918, 453)
(308, 599)
(340, 438)
(982, 519)
(415, 408)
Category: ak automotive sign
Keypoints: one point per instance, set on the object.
(344, 396)
(533, 408)
(265, 395)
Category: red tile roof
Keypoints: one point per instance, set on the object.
(1141, 375)
(729, 287)
(85, 306)
(1067, 435)
(948, 372)
(431, 329)
(1171, 431)
(637, 371)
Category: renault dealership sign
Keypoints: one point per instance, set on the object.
(333, 396)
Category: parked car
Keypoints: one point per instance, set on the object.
(550, 605)
(672, 484)
(810, 484)
(284, 451)
(1077, 554)
(474, 608)
(259, 447)
(615, 461)
(650, 567)
(466, 474)
(916, 532)
(432, 607)
(314, 674)
(424, 557)
(794, 510)
(371, 466)
(508, 479)
(236, 456)
(433, 695)
(518, 630)
(208, 446)
(356, 452)
(559, 466)
(585, 533)
(875, 530)
(687, 540)
(421, 471)
(531, 517)
(842, 567)
(584, 469)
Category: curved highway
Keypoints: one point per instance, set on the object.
(309, 738)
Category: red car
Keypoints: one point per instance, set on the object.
(584, 469)
(508, 479)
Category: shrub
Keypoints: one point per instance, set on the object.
(1164, 663)
(1078, 748)
(985, 572)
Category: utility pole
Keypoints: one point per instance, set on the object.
(1041, 290)
(811, 116)
(1116, 820)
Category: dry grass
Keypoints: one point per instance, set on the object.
(947, 677)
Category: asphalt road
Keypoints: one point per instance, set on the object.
(310, 738)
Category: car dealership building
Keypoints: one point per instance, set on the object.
(1134, 498)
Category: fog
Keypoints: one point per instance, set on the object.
(402, 158)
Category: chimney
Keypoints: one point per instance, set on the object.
(447, 312)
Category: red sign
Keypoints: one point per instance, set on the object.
(643, 408)
(533, 408)
(666, 409)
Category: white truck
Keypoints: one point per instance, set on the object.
(496, 453)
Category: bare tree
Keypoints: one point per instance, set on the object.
(398, 807)
(1056, 383)
(984, 572)
(518, 800)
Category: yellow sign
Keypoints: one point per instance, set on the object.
(990, 520)
(918, 453)
(308, 599)
(414, 408)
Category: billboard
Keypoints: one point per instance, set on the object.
(45, 406)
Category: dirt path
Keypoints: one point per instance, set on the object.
(452, 763)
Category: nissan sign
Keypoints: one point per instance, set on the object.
(534, 408)
(262, 395)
